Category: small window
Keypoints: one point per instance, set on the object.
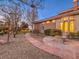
(71, 26)
(71, 18)
(65, 18)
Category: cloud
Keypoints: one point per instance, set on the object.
(2, 18)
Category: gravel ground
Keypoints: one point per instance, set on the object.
(20, 48)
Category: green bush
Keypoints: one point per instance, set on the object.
(53, 32)
(1, 32)
(57, 32)
(48, 32)
(72, 35)
(77, 34)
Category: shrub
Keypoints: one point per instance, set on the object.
(72, 35)
(52, 32)
(77, 34)
(57, 32)
(48, 32)
(24, 30)
(36, 31)
(1, 32)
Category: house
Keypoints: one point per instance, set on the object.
(67, 21)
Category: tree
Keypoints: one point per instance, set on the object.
(12, 14)
(24, 25)
(32, 13)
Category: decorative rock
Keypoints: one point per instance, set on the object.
(49, 39)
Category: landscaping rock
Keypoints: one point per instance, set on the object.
(52, 39)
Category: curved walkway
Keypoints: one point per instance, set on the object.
(52, 50)
(20, 48)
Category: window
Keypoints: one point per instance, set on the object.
(72, 23)
(71, 26)
(61, 26)
(71, 18)
(65, 18)
(65, 26)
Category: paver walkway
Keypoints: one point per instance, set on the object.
(20, 48)
(64, 51)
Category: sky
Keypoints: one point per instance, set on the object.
(53, 7)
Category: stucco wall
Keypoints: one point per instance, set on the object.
(57, 24)
(76, 23)
(49, 26)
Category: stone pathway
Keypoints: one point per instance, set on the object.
(20, 48)
(64, 51)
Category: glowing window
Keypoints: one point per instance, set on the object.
(72, 26)
(65, 18)
(65, 26)
(71, 18)
(61, 26)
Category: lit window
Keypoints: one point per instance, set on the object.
(71, 18)
(65, 18)
(72, 26)
(61, 26)
(60, 20)
(65, 26)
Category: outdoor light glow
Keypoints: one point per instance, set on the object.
(47, 22)
(53, 21)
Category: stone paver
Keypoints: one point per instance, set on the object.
(20, 48)
(64, 51)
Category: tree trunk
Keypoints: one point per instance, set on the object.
(8, 38)
(14, 34)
